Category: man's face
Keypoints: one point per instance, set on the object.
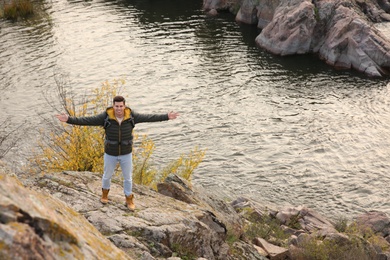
(119, 108)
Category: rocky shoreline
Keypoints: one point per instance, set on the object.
(340, 32)
(59, 216)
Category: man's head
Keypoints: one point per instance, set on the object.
(119, 99)
(119, 106)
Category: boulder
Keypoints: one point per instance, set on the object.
(247, 12)
(309, 220)
(248, 252)
(39, 226)
(221, 215)
(265, 12)
(274, 252)
(378, 221)
(291, 29)
(216, 5)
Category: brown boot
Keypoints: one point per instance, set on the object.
(104, 198)
(129, 202)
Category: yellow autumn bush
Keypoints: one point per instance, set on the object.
(81, 148)
(144, 172)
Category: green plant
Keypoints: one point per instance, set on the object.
(359, 245)
(341, 224)
(231, 238)
(354, 229)
(294, 222)
(182, 252)
(316, 14)
(264, 226)
(313, 248)
(310, 249)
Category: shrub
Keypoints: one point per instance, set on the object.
(313, 248)
(185, 165)
(360, 245)
(15, 9)
(341, 224)
(264, 226)
(144, 173)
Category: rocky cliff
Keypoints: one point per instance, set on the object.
(341, 32)
(35, 225)
(59, 216)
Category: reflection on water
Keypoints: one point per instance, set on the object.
(284, 130)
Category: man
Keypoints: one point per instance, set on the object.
(118, 122)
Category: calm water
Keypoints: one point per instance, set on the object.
(286, 131)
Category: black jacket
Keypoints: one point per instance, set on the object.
(119, 138)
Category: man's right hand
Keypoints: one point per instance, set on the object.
(63, 117)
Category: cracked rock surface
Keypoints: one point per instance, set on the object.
(42, 227)
(160, 225)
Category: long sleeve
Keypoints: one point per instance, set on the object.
(97, 120)
(141, 118)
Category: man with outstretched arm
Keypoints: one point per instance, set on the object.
(118, 122)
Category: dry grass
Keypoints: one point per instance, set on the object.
(15, 9)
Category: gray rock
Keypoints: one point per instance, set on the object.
(312, 221)
(216, 4)
(248, 12)
(309, 220)
(341, 32)
(189, 223)
(378, 221)
(291, 29)
(249, 252)
(39, 226)
(218, 214)
(351, 41)
(274, 252)
(338, 238)
(265, 12)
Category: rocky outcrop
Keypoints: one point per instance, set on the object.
(38, 226)
(376, 221)
(291, 29)
(160, 226)
(351, 41)
(341, 32)
(61, 217)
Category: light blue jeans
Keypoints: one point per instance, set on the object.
(126, 163)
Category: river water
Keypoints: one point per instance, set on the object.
(284, 131)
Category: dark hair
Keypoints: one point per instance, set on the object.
(119, 99)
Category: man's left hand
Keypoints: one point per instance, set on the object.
(172, 115)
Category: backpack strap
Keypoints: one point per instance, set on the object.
(107, 122)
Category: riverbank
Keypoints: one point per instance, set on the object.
(178, 221)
